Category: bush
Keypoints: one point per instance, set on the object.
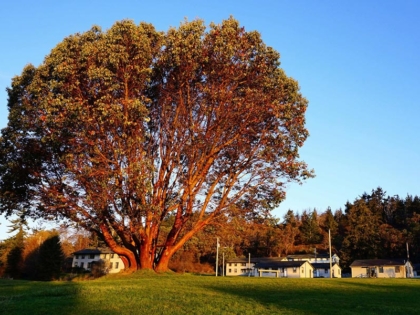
(98, 268)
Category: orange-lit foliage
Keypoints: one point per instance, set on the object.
(120, 130)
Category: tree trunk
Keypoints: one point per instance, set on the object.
(146, 259)
(127, 256)
(162, 265)
(171, 247)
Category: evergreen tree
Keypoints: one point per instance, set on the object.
(362, 240)
(310, 230)
(50, 259)
(14, 262)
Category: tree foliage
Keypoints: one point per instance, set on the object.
(50, 259)
(118, 130)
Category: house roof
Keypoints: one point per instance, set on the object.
(377, 262)
(94, 251)
(317, 265)
(281, 264)
(253, 259)
(308, 256)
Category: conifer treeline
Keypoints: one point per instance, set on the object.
(374, 225)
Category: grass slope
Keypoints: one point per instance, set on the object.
(146, 293)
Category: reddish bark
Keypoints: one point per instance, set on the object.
(127, 130)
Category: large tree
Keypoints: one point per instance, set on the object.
(119, 130)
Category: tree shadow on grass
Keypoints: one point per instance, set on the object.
(314, 297)
(32, 297)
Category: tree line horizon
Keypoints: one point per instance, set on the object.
(373, 226)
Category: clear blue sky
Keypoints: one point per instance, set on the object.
(357, 62)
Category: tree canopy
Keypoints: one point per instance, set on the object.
(122, 131)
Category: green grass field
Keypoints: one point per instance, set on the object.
(147, 293)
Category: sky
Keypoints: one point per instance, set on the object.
(357, 62)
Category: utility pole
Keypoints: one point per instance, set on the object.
(329, 241)
(408, 252)
(223, 266)
(249, 264)
(217, 256)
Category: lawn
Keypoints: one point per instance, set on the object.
(148, 293)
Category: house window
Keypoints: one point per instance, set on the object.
(230, 264)
(243, 264)
(235, 271)
(75, 264)
(89, 265)
(294, 269)
(381, 269)
(236, 264)
(112, 255)
(91, 256)
(397, 269)
(104, 256)
(77, 256)
(116, 265)
(326, 270)
(110, 265)
(339, 271)
(303, 270)
(83, 256)
(230, 270)
(81, 265)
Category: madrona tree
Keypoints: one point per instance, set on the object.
(130, 130)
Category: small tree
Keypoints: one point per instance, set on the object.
(50, 259)
(14, 263)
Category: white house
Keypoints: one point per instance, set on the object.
(320, 263)
(285, 269)
(85, 257)
(322, 270)
(314, 258)
(381, 268)
(241, 266)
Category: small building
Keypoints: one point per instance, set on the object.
(314, 258)
(285, 269)
(381, 268)
(322, 270)
(241, 266)
(86, 257)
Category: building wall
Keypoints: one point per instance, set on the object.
(325, 273)
(276, 273)
(381, 272)
(336, 271)
(239, 269)
(293, 272)
(357, 272)
(391, 272)
(321, 273)
(306, 271)
(112, 261)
